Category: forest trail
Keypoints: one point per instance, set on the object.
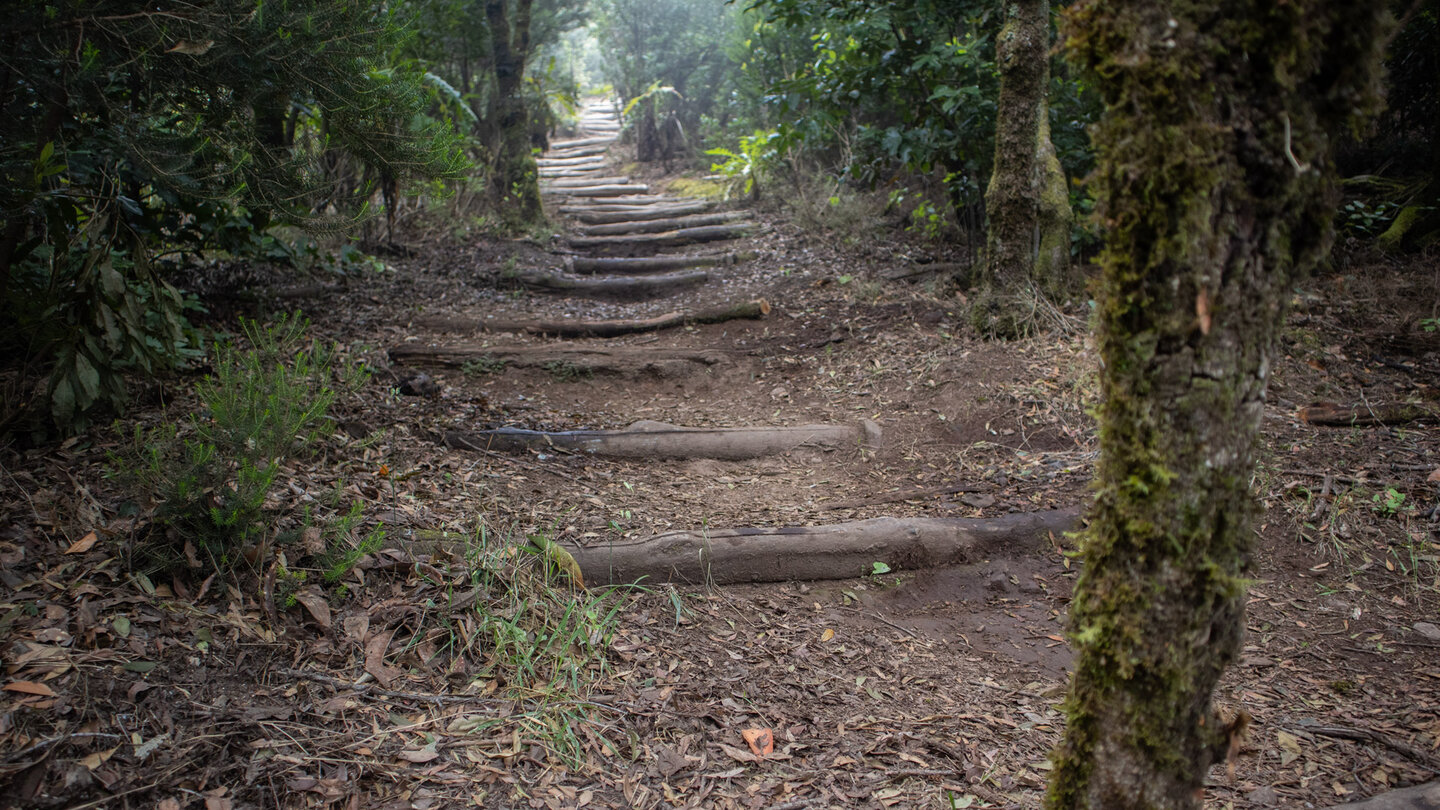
(823, 400)
(694, 411)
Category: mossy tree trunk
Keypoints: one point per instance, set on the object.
(1216, 189)
(514, 180)
(1027, 204)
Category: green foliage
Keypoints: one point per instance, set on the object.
(743, 169)
(210, 474)
(565, 371)
(340, 556)
(540, 641)
(907, 86)
(1365, 220)
(667, 61)
(1389, 502)
(132, 138)
(483, 366)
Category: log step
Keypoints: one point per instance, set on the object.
(605, 329)
(581, 182)
(636, 213)
(662, 225)
(598, 191)
(654, 360)
(836, 551)
(545, 163)
(683, 236)
(577, 151)
(647, 439)
(653, 264)
(625, 287)
(576, 143)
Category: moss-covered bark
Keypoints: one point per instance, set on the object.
(514, 179)
(1027, 205)
(1215, 187)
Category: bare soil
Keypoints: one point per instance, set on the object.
(914, 688)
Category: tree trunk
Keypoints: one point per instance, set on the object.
(1215, 182)
(514, 183)
(1027, 204)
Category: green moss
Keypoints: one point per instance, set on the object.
(696, 187)
(1394, 235)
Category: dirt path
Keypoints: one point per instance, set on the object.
(925, 687)
(892, 691)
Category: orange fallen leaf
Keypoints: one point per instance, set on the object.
(760, 740)
(1434, 477)
(82, 545)
(827, 635)
(29, 688)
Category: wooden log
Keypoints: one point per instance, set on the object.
(837, 551)
(612, 328)
(653, 264)
(627, 287)
(577, 151)
(598, 191)
(622, 205)
(581, 182)
(1331, 415)
(646, 439)
(662, 225)
(1419, 797)
(683, 236)
(582, 359)
(574, 174)
(574, 143)
(618, 203)
(635, 213)
(580, 161)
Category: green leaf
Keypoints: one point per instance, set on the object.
(139, 666)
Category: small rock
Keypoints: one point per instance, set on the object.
(1263, 797)
(979, 501)
(420, 385)
(1427, 630)
(997, 582)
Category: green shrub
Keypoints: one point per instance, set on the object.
(211, 472)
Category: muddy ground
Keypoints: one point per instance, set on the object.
(914, 688)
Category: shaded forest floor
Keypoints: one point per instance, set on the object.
(915, 688)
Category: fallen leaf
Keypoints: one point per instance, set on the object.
(95, 760)
(737, 754)
(29, 688)
(83, 545)
(1290, 747)
(419, 755)
(375, 664)
(827, 635)
(189, 48)
(1434, 477)
(760, 740)
(356, 626)
(314, 602)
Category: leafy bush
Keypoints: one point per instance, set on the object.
(210, 474)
